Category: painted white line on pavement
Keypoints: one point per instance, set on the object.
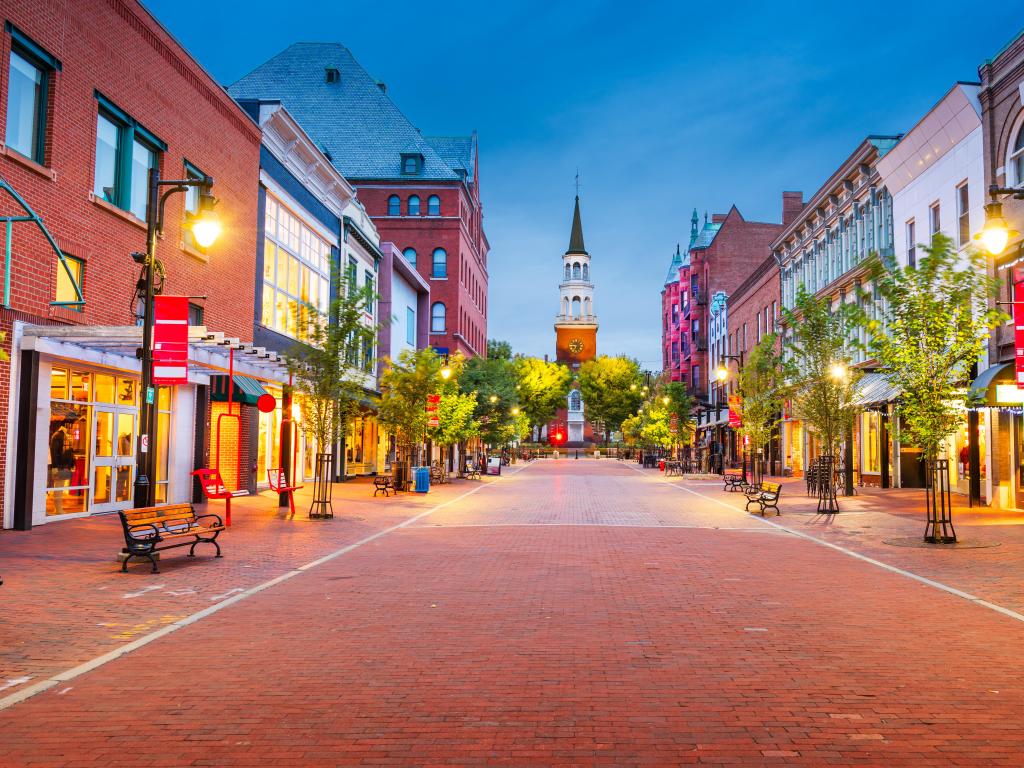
(858, 556)
(588, 525)
(122, 650)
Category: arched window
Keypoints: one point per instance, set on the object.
(574, 400)
(565, 307)
(394, 206)
(440, 263)
(437, 317)
(576, 271)
(568, 272)
(414, 205)
(1016, 159)
(576, 307)
(586, 307)
(410, 255)
(433, 206)
(586, 272)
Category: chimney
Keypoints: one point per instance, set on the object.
(792, 204)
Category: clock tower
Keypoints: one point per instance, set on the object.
(576, 323)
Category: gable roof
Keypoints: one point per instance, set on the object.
(673, 268)
(352, 120)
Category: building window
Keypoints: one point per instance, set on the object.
(1015, 163)
(586, 272)
(433, 206)
(296, 272)
(368, 285)
(568, 272)
(911, 245)
(394, 206)
(437, 318)
(963, 215)
(577, 273)
(410, 255)
(412, 163)
(440, 263)
(934, 218)
(410, 326)
(352, 276)
(195, 314)
(125, 153)
(575, 401)
(65, 292)
(413, 205)
(28, 88)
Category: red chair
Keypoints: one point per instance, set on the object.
(214, 488)
(277, 480)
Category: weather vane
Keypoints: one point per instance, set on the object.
(578, 182)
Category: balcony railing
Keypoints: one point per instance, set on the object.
(580, 319)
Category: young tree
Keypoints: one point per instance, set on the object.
(605, 385)
(327, 383)
(493, 380)
(762, 389)
(680, 404)
(404, 387)
(823, 385)
(928, 326)
(542, 386)
(499, 350)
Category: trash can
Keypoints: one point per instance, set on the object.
(422, 475)
(661, 465)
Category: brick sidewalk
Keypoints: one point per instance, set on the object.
(64, 600)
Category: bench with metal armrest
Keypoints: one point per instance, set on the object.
(384, 484)
(733, 480)
(765, 495)
(152, 529)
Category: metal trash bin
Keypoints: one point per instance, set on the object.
(422, 475)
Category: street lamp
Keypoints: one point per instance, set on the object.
(664, 400)
(996, 233)
(632, 387)
(515, 411)
(494, 398)
(838, 371)
(446, 372)
(205, 228)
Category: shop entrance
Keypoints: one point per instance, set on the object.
(113, 459)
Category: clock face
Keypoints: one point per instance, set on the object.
(576, 346)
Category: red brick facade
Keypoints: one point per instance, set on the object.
(115, 48)
(459, 231)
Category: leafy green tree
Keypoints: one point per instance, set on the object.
(605, 385)
(818, 369)
(455, 422)
(928, 326)
(762, 389)
(542, 386)
(404, 386)
(680, 404)
(499, 350)
(494, 382)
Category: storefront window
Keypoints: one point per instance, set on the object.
(67, 471)
(871, 430)
(163, 421)
(269, 447)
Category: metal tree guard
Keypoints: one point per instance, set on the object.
(827, 503)
(938, 504)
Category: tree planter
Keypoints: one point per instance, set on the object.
(938, 503)
(323, 484)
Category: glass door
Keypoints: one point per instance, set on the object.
(113, 458)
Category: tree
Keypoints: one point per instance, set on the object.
(928, 326)
(542, 386)
(499, 350)
(823, 385)
(762, 390)
(493, 380)
(680, 404)
(455, 422)
(322, 371)
(404, 386)
(605, 385)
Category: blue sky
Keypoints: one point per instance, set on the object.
(663, 106)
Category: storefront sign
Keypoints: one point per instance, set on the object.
(432, 403)
(1018, 327)
(735, 411)
(170, 340)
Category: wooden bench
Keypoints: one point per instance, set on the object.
(733, 480)
(765, 495)
(384, 484)
(472, 471)
(278, 484)
(438, 475)
(214, 488)
(152, 529)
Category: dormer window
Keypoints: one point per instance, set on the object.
(332, 75)
(412, 163)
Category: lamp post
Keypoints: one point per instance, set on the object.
(205, 229)
(996, 233)
(722, 374)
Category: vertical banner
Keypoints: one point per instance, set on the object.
(1018, 326)
(673, 424)
(432, 403)
(735, 411)
(170, 340)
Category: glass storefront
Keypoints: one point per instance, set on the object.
(795, 447)
(361, 445)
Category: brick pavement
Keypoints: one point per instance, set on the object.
(542, 622)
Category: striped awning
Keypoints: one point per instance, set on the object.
(874, 389)
(247, 391)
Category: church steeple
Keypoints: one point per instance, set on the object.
(576, 236)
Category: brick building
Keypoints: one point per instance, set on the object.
(92, 95)
(422, 192)
(675, 323)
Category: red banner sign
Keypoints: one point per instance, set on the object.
(432, 403)
(1018, 327)
(673, 424)
(735, 411)
(170, 340)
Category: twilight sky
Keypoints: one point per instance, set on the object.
(663, 106)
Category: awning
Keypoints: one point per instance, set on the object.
(874, 389)
(985, 388)
(247, 391)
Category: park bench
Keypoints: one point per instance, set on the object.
(472, 471)
(153, 529)
(279, 484)
(733, 480)
(765, 495)
(384, 484)
(438, 475)
(214, 488)
(673, 468)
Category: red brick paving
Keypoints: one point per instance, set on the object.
(543, 621)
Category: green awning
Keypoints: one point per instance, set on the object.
(246, 391)
(983, 388)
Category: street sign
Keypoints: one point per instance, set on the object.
(1018, 328)
(170, 340)
(735, 411)
(673, 424)
(432, 403)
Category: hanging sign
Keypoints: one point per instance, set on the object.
(1018, 327)
(735, 411)
(673, 424)
(170, 340)
(432, 402)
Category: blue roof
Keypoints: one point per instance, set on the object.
(706, 235)
(673, 268)
(352, 119)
